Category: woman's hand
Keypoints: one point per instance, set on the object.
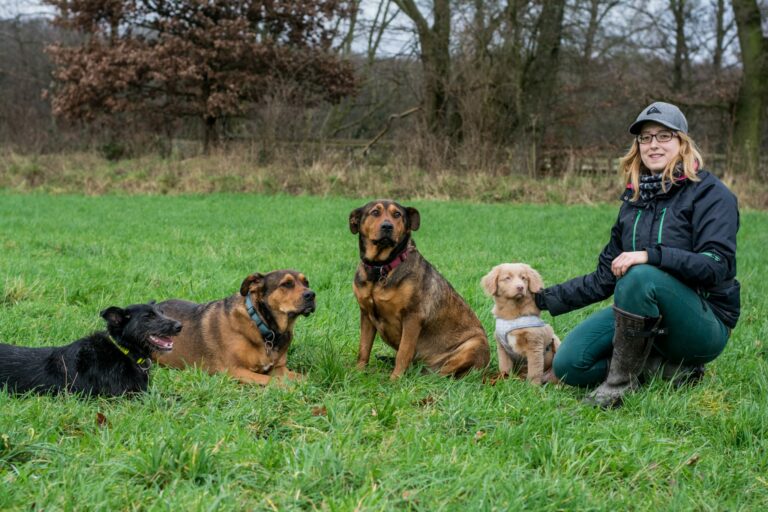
(625, 260)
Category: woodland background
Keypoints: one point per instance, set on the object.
(514, 87)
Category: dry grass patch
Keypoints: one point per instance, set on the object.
(332, 174)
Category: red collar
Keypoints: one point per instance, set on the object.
(382, 271)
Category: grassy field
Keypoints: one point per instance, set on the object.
(343, 439)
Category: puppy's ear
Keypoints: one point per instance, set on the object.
(490, 282)
(253, 282)
(115, 317)
(414, 218)
(535, 282)
(355, 216)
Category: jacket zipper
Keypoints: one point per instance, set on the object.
(634, 230)
(661, 225)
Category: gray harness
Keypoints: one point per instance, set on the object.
(504, 327)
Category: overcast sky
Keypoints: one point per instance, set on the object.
(13, 8)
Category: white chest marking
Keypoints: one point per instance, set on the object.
(512, 344)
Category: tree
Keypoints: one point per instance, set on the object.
(679, 10)
(200, 58)
(751, 102)
(541, 71)
(720, 32)
(597, 10)
(24, 71)
(434, 42)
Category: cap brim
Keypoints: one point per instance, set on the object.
(634, 128)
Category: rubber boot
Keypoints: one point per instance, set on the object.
(632, 342)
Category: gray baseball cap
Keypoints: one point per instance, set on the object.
(663, 113)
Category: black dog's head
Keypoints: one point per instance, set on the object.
(142, 328)
(382, 225)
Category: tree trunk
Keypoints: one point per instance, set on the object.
(678, 11)
(346, 43)
(717, 58)
(751, 102)
(211, 136)
(436, 62)
(591, 33)
(539, 82)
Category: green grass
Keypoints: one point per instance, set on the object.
(343, 439)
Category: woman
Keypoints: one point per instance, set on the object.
(670, 265)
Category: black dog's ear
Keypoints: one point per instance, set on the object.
(115, 316)
(253, 281)
(414, 219)
(355, 217)
(152, 302)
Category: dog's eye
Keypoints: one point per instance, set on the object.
(287, 284)
(397, 215)
(375, 213)
(151, 314)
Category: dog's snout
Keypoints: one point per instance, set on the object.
(177, 327)
(308, 295)
(387, 226)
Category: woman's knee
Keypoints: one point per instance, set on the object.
(639, 281)
(565, 371)
(561, 366)
(581, 358)
(575, 371)
(639, 275)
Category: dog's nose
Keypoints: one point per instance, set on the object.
(387, 226)
(308, 295)
(177, 327)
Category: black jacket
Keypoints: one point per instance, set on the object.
(689, 232)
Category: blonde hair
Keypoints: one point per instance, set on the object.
(631, 165)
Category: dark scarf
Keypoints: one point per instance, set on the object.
(651, 185)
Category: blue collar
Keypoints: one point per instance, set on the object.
(267, 333)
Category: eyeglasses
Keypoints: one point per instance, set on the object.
(662, 136)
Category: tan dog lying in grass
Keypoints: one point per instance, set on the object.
(246, 334)
(523, 339)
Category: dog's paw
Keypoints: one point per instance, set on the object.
(295, 376)
(493, 379)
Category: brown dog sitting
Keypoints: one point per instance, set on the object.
(523, 337)
(403, 298)
(247, 334)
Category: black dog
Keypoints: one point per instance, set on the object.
(105, 363)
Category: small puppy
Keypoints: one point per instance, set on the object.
(523, 338)
(108, 363)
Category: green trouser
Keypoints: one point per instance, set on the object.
(695, 335)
